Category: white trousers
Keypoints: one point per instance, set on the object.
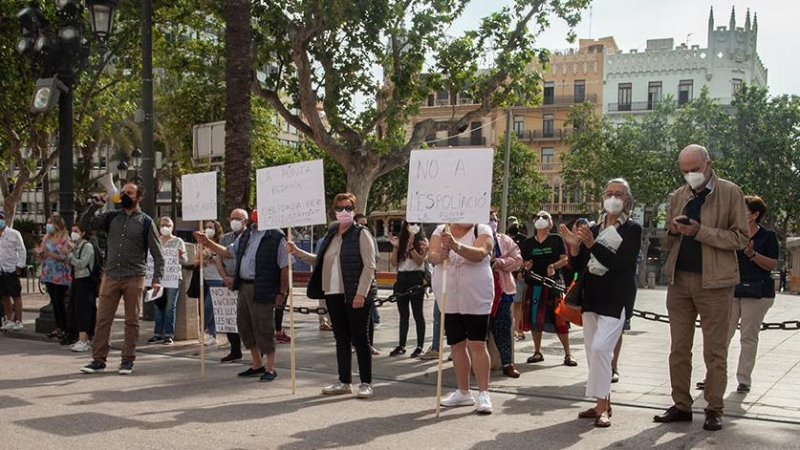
(600, 334)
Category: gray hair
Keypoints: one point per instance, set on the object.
(628, 204)
(167, 219)
(696, 148)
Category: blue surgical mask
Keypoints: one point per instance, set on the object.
(2, 223)
(49, 228)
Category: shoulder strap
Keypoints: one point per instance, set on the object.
(475, 230)
(148, 223)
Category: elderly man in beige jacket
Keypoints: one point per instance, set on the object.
(706, 224)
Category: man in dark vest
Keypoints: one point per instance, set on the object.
(262, 279)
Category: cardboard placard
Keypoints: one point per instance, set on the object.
(224, 301)
(172, 269)
(450, 186)
(199, 196)
(292, 195)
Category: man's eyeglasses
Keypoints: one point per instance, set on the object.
(344, 208)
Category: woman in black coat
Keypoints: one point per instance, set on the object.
(606, 255)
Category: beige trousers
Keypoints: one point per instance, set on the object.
(748, 313)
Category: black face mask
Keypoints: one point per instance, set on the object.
(126, 202)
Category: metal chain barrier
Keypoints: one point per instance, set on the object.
(647, 315)
(321, 310)
(552, 284)
(785, 325)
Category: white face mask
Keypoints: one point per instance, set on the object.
(75, 236)
(695, 179)
(210, 233)
(236, 225)
(166, 231)
(413, 229)
(541, 223)
(613, 205)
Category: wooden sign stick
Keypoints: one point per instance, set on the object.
(202, 334)
(442, 307)
(291, 320)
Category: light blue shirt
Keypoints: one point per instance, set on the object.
(247, 268)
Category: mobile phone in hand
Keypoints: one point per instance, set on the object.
(684, 220)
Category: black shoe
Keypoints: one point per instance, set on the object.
(125, 368)
(713, 421)
(417, 352)
(250, 372)
(93, 367)
(155, 340)
(230, 358)
(68, 339)
(397, 351)
(673, 414)
(168, 341)
(743, 388)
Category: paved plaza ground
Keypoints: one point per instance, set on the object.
(46, 403)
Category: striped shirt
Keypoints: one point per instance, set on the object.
(125, 249)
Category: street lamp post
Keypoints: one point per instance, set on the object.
(61, 55)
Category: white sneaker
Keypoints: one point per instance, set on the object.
(337, 388)
(81, 346)
(484, 403)
(7, 325)
(364, 391)
(210, 340)
(458, 398)
(17, 326)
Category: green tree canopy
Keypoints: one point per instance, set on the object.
(322, 58)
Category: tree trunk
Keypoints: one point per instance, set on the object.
(643, 251)
(238, 119)
(360, 176)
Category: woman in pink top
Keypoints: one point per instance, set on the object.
(506, 258)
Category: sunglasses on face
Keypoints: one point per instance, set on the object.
(344, 208)
(542, 217)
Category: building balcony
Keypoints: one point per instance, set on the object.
(550, 167)
(567, 100)
(457, 141)
(566, 208)
(632, 107)
(547, 134)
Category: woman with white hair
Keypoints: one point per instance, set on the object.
(605, 255)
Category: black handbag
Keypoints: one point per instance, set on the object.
(749, 289)
(574, 295)
(193, 291)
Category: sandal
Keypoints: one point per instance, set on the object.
(602, 421)
(591, 413)
(54, 333)
(519, 337)
(570, 361)
(537, 357)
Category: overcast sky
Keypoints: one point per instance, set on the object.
(633, 22)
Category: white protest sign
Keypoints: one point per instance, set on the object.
(291, 195)
(453, 185)
(224, 301)
(172, 268)
(199, 196)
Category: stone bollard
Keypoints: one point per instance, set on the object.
(186, 315)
